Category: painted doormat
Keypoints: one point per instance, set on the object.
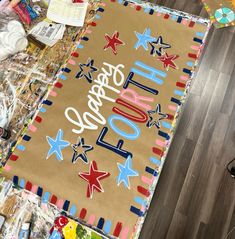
(222, 12)
(98, 144)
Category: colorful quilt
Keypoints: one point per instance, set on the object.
(222, 12)
(97, 146)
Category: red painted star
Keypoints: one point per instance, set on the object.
(113, 42)
(93, 178)
(168, 61)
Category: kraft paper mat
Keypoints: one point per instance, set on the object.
(99, 141)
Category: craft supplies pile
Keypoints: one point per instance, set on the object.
(25, 27)
(12, 40)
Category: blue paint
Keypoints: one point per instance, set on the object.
(163, 134)
(146, 10)
(42, 110)
(66, 205)
(179, 20)
(22, 183)
(73, 210)
(137, 84)
(116, 149)
(120, 1)
(173, 17)
(136, 211)
(100, 223)
(187, 71)
(100, 9)
(151, 12)
(125, 135)
(47, 102)
(26, 137)
(197, 40)
(166, 125)
(175, 101)
(140, 201)
(152, 72)
(179, 92)
(55, 235)
(107, 227)
(200, 34)
(151, 171)
(46, 197)
(155, 161)
(97, 16)
(80, 46)
(85, 38)
(190, 63)
(40, 191)
(21, 147)
(66, 69)
(62, 77)
(15, 180)
(125, 3)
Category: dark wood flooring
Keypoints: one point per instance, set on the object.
(195, 196)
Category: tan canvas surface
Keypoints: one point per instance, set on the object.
(61, 177)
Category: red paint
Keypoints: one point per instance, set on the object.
(13, 157)
(179, 84)
(58, 85)
(94, 24)
(170, 117)
(157, 151)
(75, 54)
(28, 186)
(138, 8)
(117, 229)
(166, 16)
(53, 199)
(191, 55)
(191, 24)
(38, 119)
(83, 213)
(143, 191)
(143, 116)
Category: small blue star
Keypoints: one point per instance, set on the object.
(57, 145)
(126, 171)
(158, 117)
(144, 39)
(82, 146)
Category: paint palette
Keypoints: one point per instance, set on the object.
(98, 144)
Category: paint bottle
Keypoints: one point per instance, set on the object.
(24, 231)
(4, 134)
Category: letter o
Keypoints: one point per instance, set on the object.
(125, 135)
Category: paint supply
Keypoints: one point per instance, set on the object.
(4, 134)
(24, 231)
(12, 39)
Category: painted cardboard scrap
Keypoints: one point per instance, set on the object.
(99, 142)
(222, 12)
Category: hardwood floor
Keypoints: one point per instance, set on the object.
(195, 196)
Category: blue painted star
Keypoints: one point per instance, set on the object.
(86, 70)
(57, 145)
(158, 117)
(144, 39)
(84, 149)
(158, 46)
(126, 171)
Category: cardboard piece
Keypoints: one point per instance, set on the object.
(122, 90)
